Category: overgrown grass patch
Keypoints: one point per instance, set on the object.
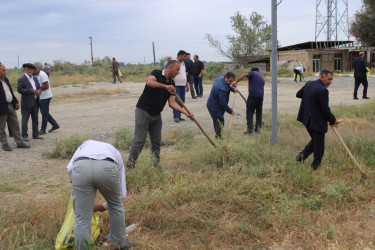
(182, 138)
(65, 148)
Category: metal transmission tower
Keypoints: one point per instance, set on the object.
(332, 18)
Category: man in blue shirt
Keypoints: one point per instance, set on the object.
(217, 103)
(255, 99)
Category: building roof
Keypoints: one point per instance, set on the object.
(318, 45)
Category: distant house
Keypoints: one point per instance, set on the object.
(337, 56)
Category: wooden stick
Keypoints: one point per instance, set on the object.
(196, 122)
(350, 154)
(242, 96)
(231, 117)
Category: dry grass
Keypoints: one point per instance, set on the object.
(244, 194)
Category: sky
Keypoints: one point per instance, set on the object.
(48, 30)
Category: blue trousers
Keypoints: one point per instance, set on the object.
(198, 85)
(46, 116)
(180, 91)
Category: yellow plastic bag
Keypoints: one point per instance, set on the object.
(65, 238)
(368, 72)
(119, 73)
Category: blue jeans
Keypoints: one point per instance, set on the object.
(46, 117)
(180, 91)
(254, 104)
(198, 85)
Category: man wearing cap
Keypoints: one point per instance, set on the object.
(8, 106)
(29, 88)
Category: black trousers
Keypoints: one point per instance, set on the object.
(218, 124)
(316, 146)
(26, 113)
(357, 83)
(297, 72)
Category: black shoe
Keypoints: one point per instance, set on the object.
(176, 120)
(314, 167)
(355, 98)
(42, 132)
(194, 97)
(248, 131)
(23, 145)
(299, 157)
(365, 97)
(130, 165)
(200, 96)
(6, 147)
(24, 138)
(181, 119)
(53, 129)
(37, 137)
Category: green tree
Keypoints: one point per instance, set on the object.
(251, 41)
(363, 26)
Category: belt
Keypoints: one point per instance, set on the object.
(88, 158)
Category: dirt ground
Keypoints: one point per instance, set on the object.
(86, 112)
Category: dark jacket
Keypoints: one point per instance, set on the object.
(359, 67)
(189, 66)
(217, 102)
(314, 111)
(3, 103)
(28, 98)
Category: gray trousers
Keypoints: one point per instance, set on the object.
(13, 126)
(87, 177)
(26, 112)
(190, 80)
(145, 123)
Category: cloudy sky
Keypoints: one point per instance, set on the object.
(43, 31)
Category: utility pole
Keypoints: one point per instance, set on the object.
(18, 65)
(274, 70)
(92, 57)
(153, 50)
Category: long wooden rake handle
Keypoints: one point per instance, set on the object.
(350, 154)
(242, 96)
(196, 122)
(231, 117)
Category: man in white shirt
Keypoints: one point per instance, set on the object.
(45, 99)
(181, 84)
(29, 88)
(298, 71)
(98, 166)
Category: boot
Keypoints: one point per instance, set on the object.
(248, 131)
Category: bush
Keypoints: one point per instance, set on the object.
(65, 148)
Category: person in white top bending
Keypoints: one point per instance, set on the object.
(98, 166)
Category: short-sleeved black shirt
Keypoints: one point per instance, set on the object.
(198, 66)
(153, 100)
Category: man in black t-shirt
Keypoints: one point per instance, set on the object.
(159, 89)
(197, 74)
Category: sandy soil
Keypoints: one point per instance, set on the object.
(98, 116)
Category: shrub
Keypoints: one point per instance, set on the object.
(65, 148)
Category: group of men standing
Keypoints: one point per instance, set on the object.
(35, 91)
